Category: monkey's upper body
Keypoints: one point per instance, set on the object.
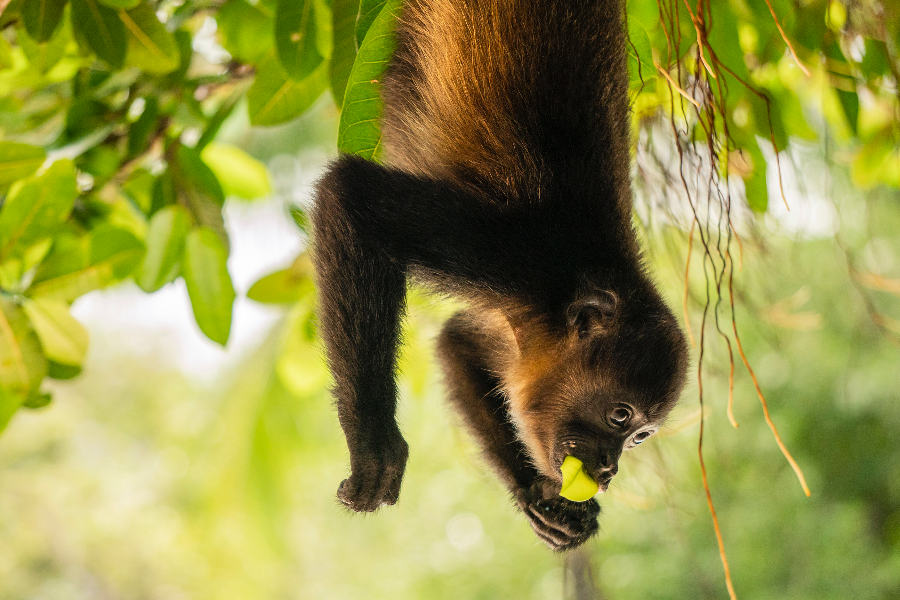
(507, 183)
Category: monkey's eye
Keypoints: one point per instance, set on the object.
(641, 436)
(620, 415)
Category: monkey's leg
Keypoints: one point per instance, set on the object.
(463, 348)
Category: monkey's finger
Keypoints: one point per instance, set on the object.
(523, 500)
(389, 488)
(344, 494)
(591, 507)
(550, 529)
(550, 542)
(357, 493)
(552, 520)
(555, 539)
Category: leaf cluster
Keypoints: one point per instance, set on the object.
(747, 76)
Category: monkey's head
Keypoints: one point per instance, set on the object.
(597, 382)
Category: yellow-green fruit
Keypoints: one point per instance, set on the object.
(577, 485)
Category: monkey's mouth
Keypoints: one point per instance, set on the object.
(603, 477)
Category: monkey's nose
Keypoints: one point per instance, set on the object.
(606, 470)
(607, 466)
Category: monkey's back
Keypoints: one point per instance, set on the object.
(511, 96)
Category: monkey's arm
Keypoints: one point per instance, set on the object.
(361, 299)
(475, 393)
(371, 224)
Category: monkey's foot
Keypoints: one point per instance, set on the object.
(376, 473)
(559, 523)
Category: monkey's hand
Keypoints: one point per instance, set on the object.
(559, 523)
(376, 469)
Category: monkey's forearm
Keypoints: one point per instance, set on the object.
(361, 299)
(475, 394)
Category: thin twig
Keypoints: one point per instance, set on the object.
(675, 85)
(687, 270)
(787, 41)
(765, 407)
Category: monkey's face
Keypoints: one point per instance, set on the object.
(601, 385)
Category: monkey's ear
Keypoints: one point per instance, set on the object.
(592, 313)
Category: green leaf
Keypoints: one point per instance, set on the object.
(239, 173)
(62, 372)
(9, 404)
(184, 40)
(22, 363)
(44, 56)
(286, 286)
(344, 14)
(247, 32)
(199, 190)
(101, 29)
(126, 4)
(63, 339)
(810, 29)
(360, 129)
(68, 254)
(18, 161)
(724, 39)
(324, 27)
(38, 400)
(224, 111)
(368, 12)
(140, 131)
(117, 249)
(872, 157)
(755, 182)
(295, 37)
(301, 219)
(150, 47)
(73, 270)
(102, 162)
(850, 104)
(274, 98)
(640, 54)
(875, 61)
(164, 192)
(166, 236)
(38, 207)
(36, 253)
(41, 17)
(768, 119)
(208, 283)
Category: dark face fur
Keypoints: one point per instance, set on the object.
(599, 385)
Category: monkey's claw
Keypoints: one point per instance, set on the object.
(375, 477)
(559, 523)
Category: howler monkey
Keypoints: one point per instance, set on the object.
(506, 183)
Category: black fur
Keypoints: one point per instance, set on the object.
(506, 134)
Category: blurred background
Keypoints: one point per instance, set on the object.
(173, 468)
(176, 468)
